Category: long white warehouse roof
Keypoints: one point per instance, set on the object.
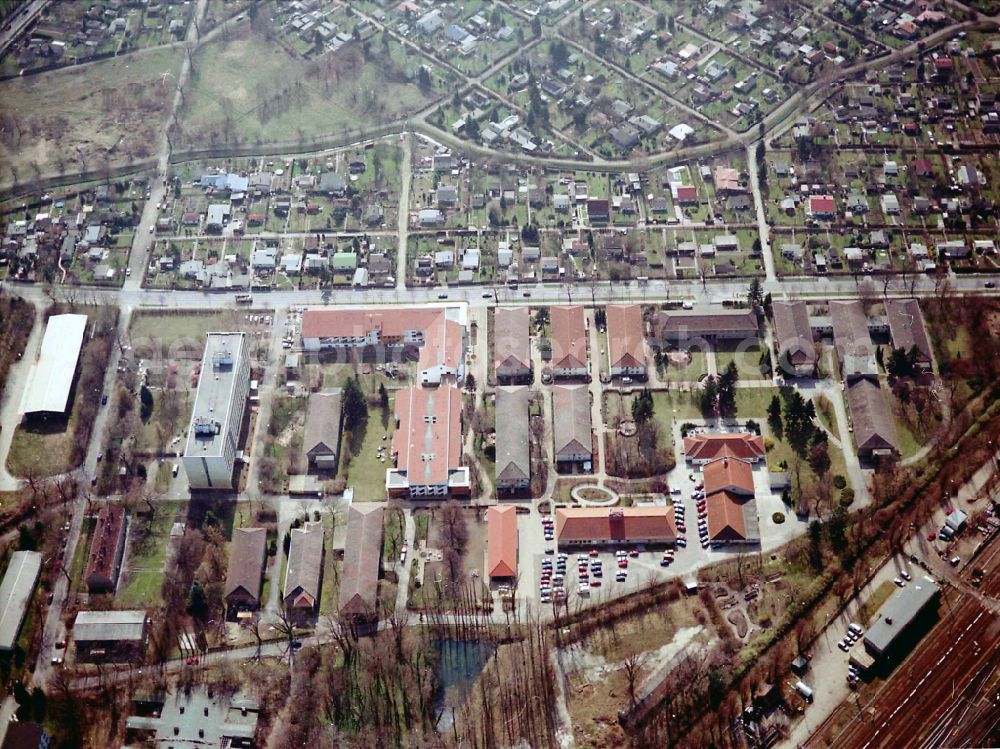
(51, 377)
(15, 592)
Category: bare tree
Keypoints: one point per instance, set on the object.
(633, 666)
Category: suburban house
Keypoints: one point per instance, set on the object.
(304, 573)
(906, 326)
(501, 543)
(246, 568)
(569, 342)
(626, 341)
(852, 340)
(821, 206)
(107, 549)
(708, 324)
(874, 428)
(321, 436)
(437, 334)
(358, 597)
(110, 636)
(427, 445)
(571, 425)
(511, 345)
(796, 349)
(729, 496)
(513, 449)
(602, 526)
(704, 448)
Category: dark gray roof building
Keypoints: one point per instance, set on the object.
(513, 458)
(874, 429)
(906, 325)
(898, 612)
(796, 350)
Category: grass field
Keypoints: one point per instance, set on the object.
(281, 98)
(84, 117)
(364, 471)
(142, 574)
(44, 449)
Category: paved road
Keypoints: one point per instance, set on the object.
(19, 22)
(403, 226)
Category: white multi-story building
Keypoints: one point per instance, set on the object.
(210, 452)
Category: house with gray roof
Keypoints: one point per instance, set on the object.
(571, 425)
(513, 450)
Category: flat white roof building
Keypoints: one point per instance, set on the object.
(210, 451)
(15, 592)
(51, 377)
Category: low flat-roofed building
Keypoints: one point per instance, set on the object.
(593, 526)
(50, 380)
(358, 597)
(513, 450)
(247, 556)
(626, 341)
(107, 548)
(796, 349)
(217, 417)
(906, 325)
(511, 345)
(304, 573)
(199, 717)
(110, 636)
(321, 436)
(708, 323)
(572, 431)
(569, 341)
(15, 593)
(898, 612)
(852, 340)
(871, 417)
(427, 444)
(502, 543)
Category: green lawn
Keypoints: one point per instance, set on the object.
(143, 575)
(747, 360)
(43, 448)
(879, 596)
(364, 471)
(167, 329)
(689, 373)
(331, 567)
(278, 100)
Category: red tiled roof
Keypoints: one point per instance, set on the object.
(821, 204)
(727, 473)
(393, 323)
(428, 442)
(725, 516)
(569, 337)
(623, 524)
(625, 335)
(686, 193)
(735, 445)
(501, 547)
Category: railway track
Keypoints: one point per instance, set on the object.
(945, 693)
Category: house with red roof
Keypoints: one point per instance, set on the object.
(501, 543)
(821, 206)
